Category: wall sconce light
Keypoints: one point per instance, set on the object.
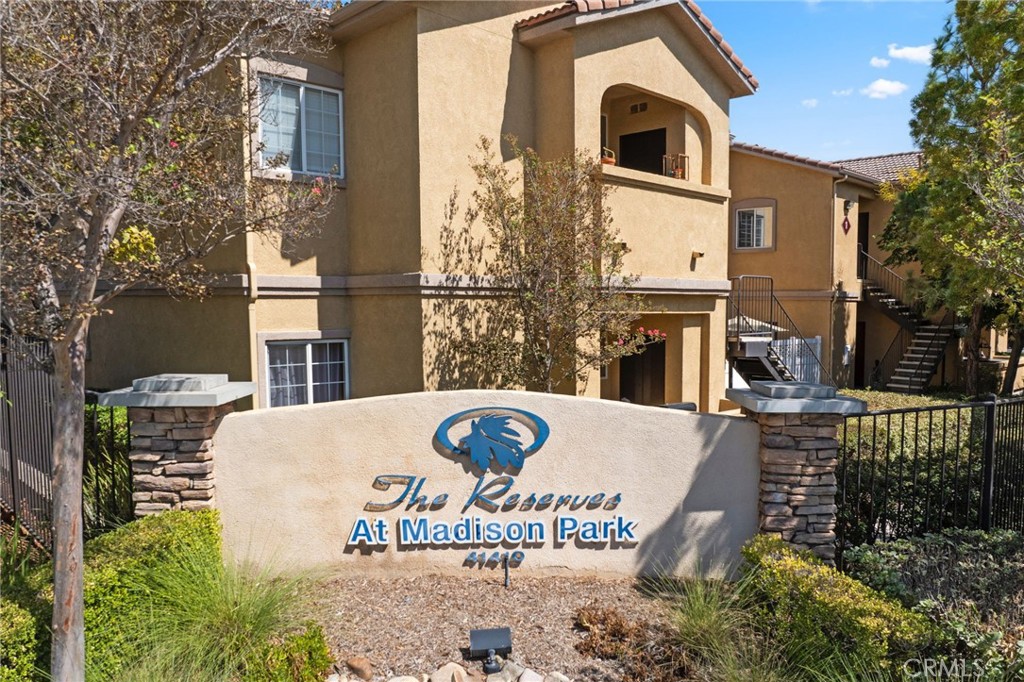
(696, 254)
(847, 205)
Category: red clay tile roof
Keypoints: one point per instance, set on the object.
(887, 167)
(832, 166)
(584, 6)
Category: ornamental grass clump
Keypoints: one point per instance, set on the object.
(810, 607)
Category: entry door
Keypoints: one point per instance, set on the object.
(642, 377)
(863, 239)
(642, 151)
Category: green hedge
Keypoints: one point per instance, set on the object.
(968, 582)
(17, 643)
(120, 568)
(808, 606)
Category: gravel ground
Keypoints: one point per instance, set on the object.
(407, 626)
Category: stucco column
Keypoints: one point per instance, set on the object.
(798, 452)
(173, 420)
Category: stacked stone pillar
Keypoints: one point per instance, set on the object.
(172, 457)
(173, 420)
(798, 452)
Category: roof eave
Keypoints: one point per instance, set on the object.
(820, 166)
(559, 25)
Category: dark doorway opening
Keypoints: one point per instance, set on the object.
(863, 240)
(642, 377)
(643, 151)
(858, 355)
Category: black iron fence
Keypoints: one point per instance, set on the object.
(906, 472)
(26, 414)
(26, 408)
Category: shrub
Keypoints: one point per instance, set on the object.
(207, 621)
(116, 598)
(159, 604)
(646, 651)
(809, 606)
(18, 635)
(968, 582)
(300, 657)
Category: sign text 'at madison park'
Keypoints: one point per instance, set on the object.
(496, 514)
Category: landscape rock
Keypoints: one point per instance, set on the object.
(510, 673)
(362, 668)
(450, 672)
(403, 678)
(556, 677)
(530, 676)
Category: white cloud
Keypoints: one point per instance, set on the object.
(882, 88)
(879, 63)
(922, 54)
(809, 103)
(845, 92)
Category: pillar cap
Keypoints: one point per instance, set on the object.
(179, 390)
(794, 397)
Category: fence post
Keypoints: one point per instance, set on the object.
(173, 419)
(799, 453)
(988, 463)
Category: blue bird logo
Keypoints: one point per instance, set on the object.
(492, 442)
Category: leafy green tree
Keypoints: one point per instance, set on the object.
(956, 216)
(555, 301)
(123, 137)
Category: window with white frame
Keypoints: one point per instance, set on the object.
(301, 127)
(303, 372)
(753, 228)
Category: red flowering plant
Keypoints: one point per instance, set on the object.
(638, 340)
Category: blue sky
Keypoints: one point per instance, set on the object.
(837, 77)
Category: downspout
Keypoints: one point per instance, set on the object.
(832, 272)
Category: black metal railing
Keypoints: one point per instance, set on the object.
(906, 472)
(883, 372)
(932, 353)
(757, 312)
(106, 472)
(873, 270)
(26, 445)
(26, 440)
(1008, 465)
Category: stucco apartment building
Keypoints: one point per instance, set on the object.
(398, 107)
(816, 236)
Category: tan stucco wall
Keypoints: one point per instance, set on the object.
(799, 259)
(382, 147)
(624, 52)
(147, 335)
(291, 482)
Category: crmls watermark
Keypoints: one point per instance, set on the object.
(951, 670)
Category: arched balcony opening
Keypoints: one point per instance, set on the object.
(653, 134)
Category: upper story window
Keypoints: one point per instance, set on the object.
(301, 127)
(750, 228)
(754, 224)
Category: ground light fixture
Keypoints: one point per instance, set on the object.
(490, 642)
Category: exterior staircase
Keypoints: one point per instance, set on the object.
(919, 346)
(764, 344)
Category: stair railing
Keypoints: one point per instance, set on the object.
(947, 323)
(873, 270)
(884, 371)
(761, 313)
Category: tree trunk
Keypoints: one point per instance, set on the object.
(972, 351)
(1010, 378)
(67, 662)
